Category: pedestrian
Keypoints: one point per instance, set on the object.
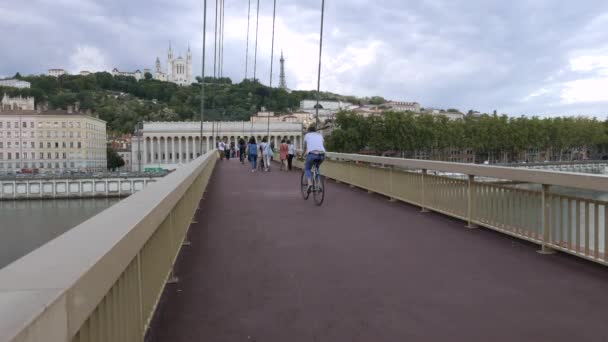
(227, 150)
(291, 151)
(268, 153)
(284, 149)
(261, 153)
(252, 152)
(272, 148)
(242, 147)
(221, 149)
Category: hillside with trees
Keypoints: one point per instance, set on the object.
(124, 101)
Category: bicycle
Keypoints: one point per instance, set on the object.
(318, 184)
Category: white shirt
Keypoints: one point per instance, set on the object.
(291, 149)
(314, 142)
(221, 146)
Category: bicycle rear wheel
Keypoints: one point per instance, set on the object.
(319, 188)
(304, 186)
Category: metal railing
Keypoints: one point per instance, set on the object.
(102, 280)
(572, 224)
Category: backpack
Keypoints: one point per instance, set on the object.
(253, 149)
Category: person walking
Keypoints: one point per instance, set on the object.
(221, 149)
(283, 150)
(242, 147)
(266, 153)
(291, 152)
(227, 150)
(261, 147)
(252, 152)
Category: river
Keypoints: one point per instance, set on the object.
(27, 225)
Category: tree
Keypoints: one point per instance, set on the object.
(115, 161)
(148, 76)
(18, 76)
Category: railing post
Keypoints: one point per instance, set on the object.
(545, 221)
(423, 198)
(471, 202)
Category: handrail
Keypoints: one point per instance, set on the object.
(565, 179)
(54, 289)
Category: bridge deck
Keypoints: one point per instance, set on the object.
(266, 266)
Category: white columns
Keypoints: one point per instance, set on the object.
(181, 157)
(187, 149)
(166, 159)
(207, 150)
(144, 155)
(173, 148)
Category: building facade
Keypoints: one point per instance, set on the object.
(17, 103)
(137, 74)
(327, 109)
(169, 144)
(179, 70)
(56, 72)
(396, 106)
(51, 141)
(14, 83)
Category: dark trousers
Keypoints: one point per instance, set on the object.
(289, 160)
(227, 154)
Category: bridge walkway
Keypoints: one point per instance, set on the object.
(266, 266)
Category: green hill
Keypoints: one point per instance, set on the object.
(123, 101)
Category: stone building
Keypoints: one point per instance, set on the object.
(170, 144)
(14, 83)
(51, 141)
(56, 72)
(137, 74)
(179, 70)
(17, 103)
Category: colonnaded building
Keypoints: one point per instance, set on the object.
(51, 140)
(169, 144)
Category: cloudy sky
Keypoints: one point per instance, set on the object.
(520, 57)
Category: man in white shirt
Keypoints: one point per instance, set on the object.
(314, 150)
(221, 147)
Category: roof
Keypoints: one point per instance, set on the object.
(51, 112)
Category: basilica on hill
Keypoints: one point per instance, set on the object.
(179, 70)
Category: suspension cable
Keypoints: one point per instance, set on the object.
(203, 74)
(319, 73)
(215, 44)
(274, 12)
(255, 56)
(247, 48)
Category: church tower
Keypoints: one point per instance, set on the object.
(282, 82)
(170, 63)
(158, 70)
(189, 78)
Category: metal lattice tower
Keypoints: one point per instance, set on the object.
(282, 83)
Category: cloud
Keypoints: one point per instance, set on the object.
(520, 57)
(87, 58)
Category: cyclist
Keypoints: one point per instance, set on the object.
(314, 152)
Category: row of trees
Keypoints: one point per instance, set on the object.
(123, 101)
(491, 137)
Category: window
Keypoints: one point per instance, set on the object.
(9, 157)
(78, 134)
(1, 155)
(16, 155)
(56, 145)
(8, 134)
(24, 124)
(48, 155)
(1, 124)
(48, 145)
(63, 144)
(63, 124)
(41, 144)
(33, 144)
(71, 144)
(71, 134)
(8, 124)
(41, 155)
(31, 134)
(48, 134)
(16, 124)
(79, 144)
(8, 144)
(56, 155)
(64, 155)
(33, 154)
(1, 144)
(32, 124)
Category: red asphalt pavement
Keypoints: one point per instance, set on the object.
(267, 266)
